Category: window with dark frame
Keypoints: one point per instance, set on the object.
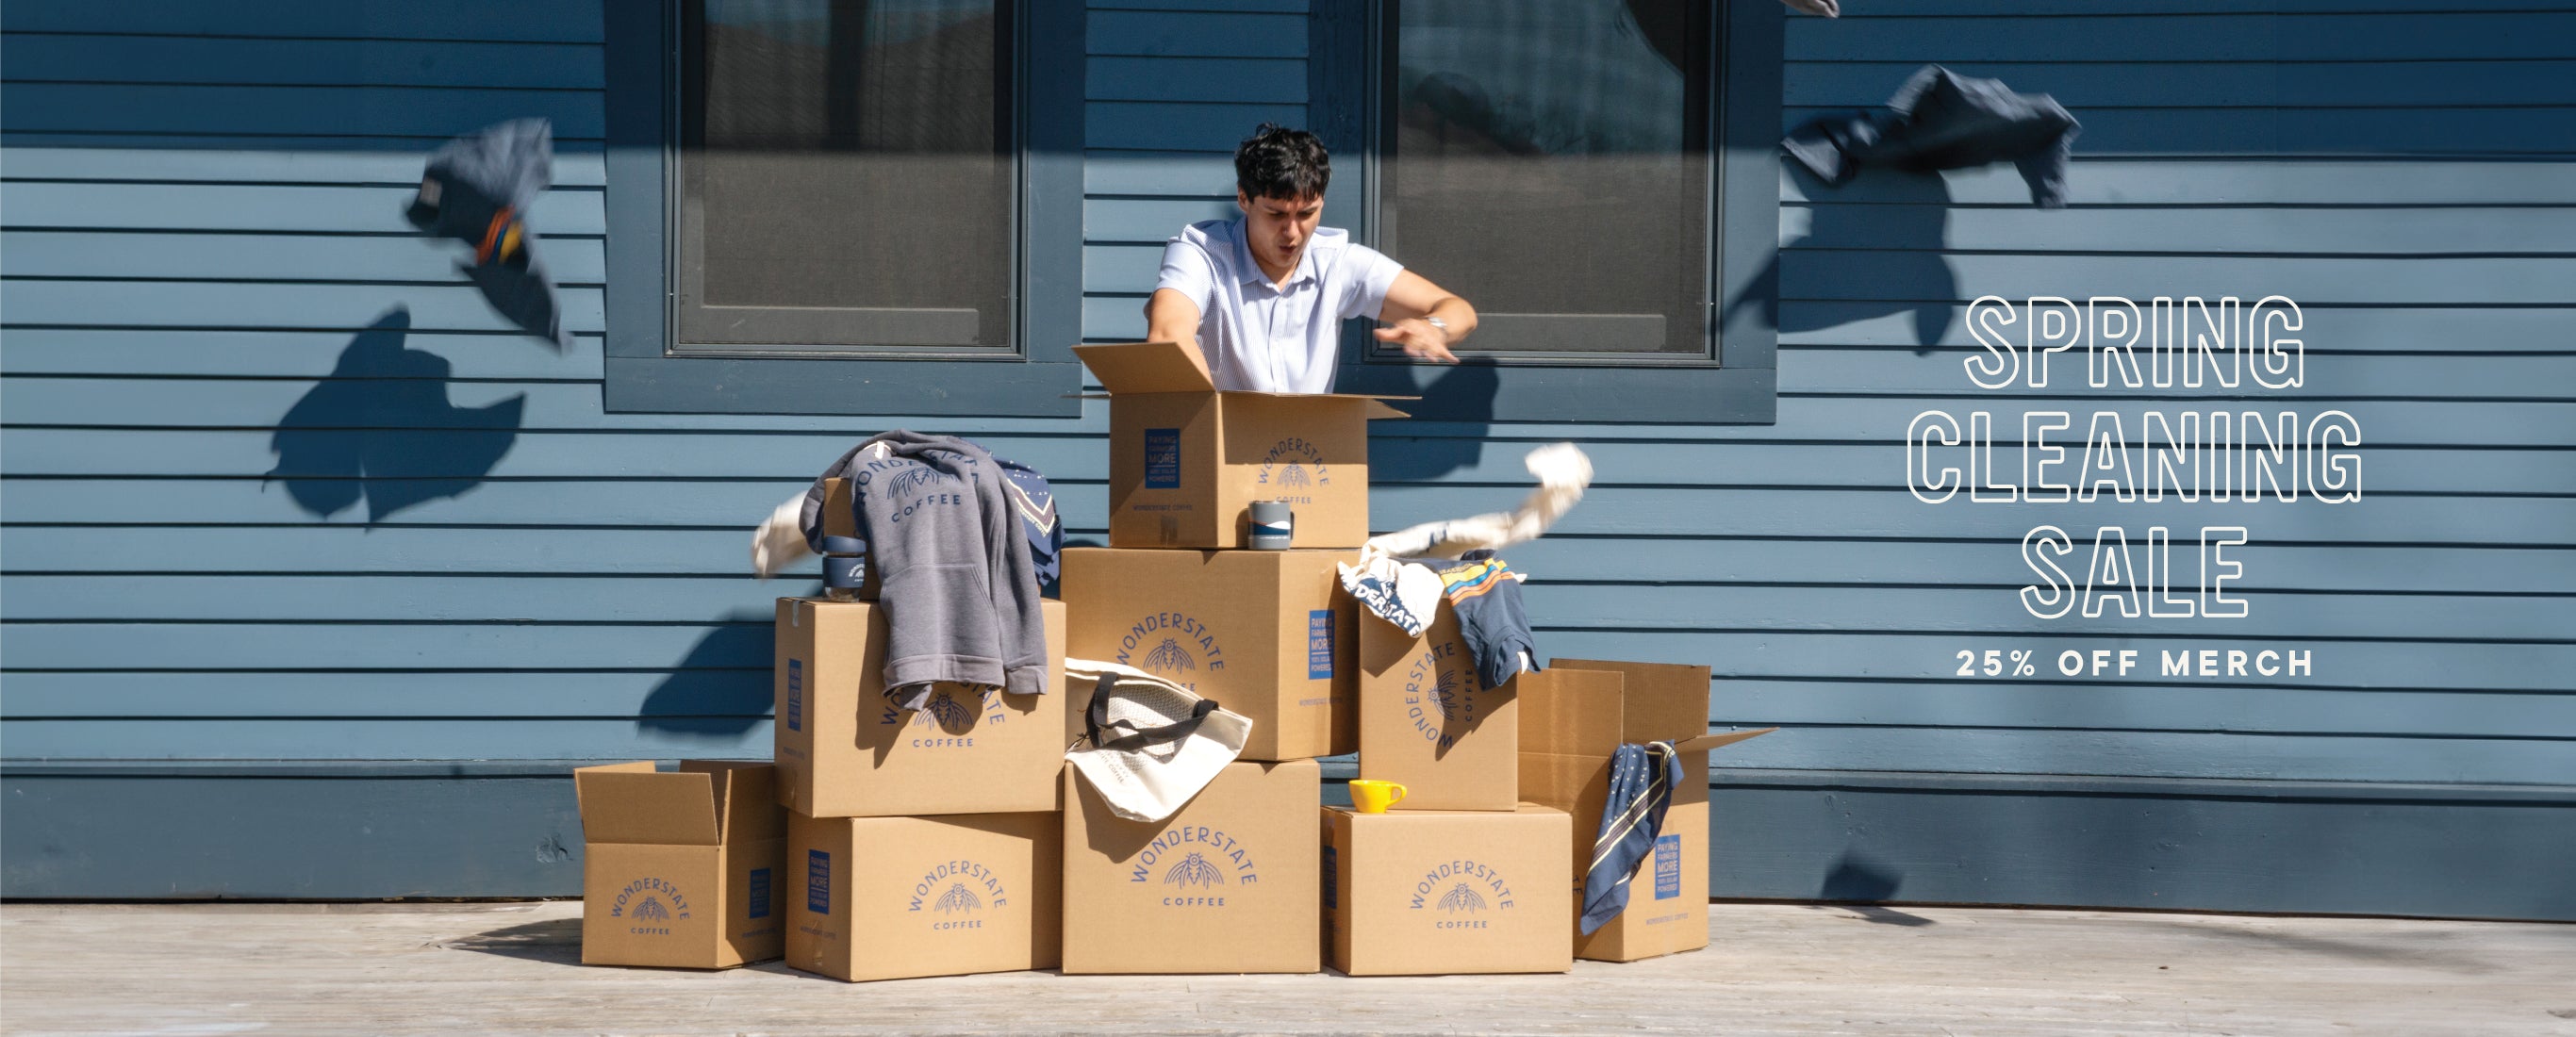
(1551, 161)
(847, 179)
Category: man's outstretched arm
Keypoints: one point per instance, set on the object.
(1170, 316)
(1411, 299)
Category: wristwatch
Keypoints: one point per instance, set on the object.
(1440, 324)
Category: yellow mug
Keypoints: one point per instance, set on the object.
(1373, 797)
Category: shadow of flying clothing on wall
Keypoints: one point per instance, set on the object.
(1901, 240)
(1942, 120)
(477, 189)
(380, 428)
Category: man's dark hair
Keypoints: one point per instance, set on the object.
(1278, 162)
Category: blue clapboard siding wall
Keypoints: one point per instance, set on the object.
(318, 577)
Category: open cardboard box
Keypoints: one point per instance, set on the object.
(680, 868)
(1428, 722)
(1186, 461)
(1573, 719)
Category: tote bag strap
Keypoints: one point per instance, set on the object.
(1096, 722)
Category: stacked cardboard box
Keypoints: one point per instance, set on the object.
(953, 839)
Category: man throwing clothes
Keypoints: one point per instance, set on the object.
(1262, 296)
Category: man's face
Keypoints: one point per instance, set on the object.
(1279, 228)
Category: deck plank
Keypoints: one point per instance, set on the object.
(398, 969)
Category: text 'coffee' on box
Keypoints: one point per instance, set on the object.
(844, 751)
(680, 868)
(1267, 634)
(1186, 461)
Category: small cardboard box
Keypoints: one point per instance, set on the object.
(1574, 717)
(844, 752)
(1265, 633)
(680, 868)
(1428, 722)
(1444, 892)
(897, 897)
(1186, 461)
(1227, 884)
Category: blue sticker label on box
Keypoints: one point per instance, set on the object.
(1668, 867)
(1319, 645)
(796, 694)
(818, 882)
(1332, 878)
(759, 893)
(1162, 459)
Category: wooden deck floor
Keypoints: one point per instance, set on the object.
(511, 968)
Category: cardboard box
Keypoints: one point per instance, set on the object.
(1573, 718)
(1228, 884)
(1428, 722)
(1185, 460)
(896, 897)
(1444, 892)
(1265, 633)
(680, 868)
(844, 752)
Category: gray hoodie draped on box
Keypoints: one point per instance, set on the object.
(959, 591)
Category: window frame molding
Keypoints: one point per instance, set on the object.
(1736, 383)
(641, 373)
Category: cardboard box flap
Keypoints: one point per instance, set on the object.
(746, 796)
(631, 803)
(1571, 711)
(1690, 745)
(1147, 367)
(1663, 701)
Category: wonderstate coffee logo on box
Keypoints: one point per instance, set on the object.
(1197, 865)
(958, 892)
(1172, 645)
(1293, 464)
(1462, 894)
(1440, 692)
(650, 905)
(947, 719)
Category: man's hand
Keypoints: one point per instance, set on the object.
(1418, 339)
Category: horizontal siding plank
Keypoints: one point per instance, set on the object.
(2098, 85)
(1186, 126)
(1492, 467)
(573, 167)
(1129, 220)
(279, 354)
(568, 21)
(1613, 512)
(198, 304)
(1241, 80)
(2403, 329)
(744, 641)
(271, 257)
(1835, 274)
(1955, 750)
(342, 62)
(1196, 34)
(748, 693)
(2387, 231)
(165, 403)
(682, 599)
(319, 110)
(2498, 131)
(105, 552)
(2407, 36)
(1204, 175)
(2100, 180)
(264, 208)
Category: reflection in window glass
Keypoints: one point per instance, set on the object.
(1547, 159)
(847, 174)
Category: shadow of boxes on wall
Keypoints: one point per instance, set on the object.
(1228, 884)
(1574, 717)
(1186, 461)
(679, 868)
(844, 751)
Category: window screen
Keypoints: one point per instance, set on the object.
(1549, 161)
(847, 172)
